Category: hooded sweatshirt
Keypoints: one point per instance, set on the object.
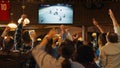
(110, 55)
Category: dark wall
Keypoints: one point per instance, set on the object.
(30, 10)
(82, 15)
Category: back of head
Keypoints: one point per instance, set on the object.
(67, 49)
(26, 37)
(23, 16)
(8, 43)
(102, 39)
(85, 54)
(112, 37)
(79, 44)
(48, 47)
(66, 64)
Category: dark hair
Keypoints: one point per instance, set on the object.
(66, 64)
(102, 38)
(67, 49)
(85, 54)
(26, 36)
(79, 44)
(8, 43)
(112, 37)
(48, 47)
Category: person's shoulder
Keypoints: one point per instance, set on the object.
(18, 53)
(14, 54)
(105, 47)
(77, 65)
(117, 28)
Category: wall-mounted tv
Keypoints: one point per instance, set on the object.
(55, 14)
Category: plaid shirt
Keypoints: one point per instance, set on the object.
(17, 37)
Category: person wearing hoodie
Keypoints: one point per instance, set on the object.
(110, 53)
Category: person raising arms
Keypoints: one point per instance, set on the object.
(115, 23)
(66, 50)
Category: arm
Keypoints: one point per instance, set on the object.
(39, 51)
(47, 37)
(69, 36)
(96, 24)
(114, 21)
(5, 32)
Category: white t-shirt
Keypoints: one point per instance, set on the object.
(117, 30)
(26, 21)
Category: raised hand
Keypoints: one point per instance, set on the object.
(95, 22)
(7, 29)
(112, 16)
(97, 25)
(52, 33)
(111, 13)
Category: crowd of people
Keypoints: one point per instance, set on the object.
(59, 51)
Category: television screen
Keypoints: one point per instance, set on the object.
(55, 14)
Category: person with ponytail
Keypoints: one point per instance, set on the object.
(67, 49)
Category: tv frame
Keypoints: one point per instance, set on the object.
(71, 6)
